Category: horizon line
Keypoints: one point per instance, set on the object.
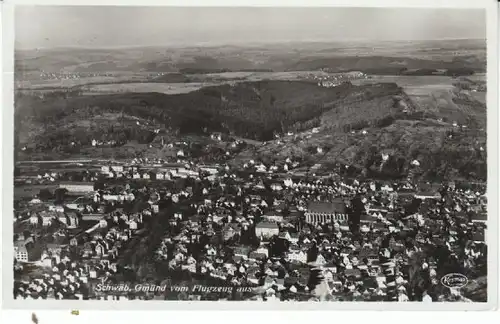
(237, 44)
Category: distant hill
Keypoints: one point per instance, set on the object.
(252, 110)
(463, 56)
(356, 123)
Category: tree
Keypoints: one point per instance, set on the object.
(60, 194)
(355, 213)
(45, 194)
(99, 185)
(312, 253)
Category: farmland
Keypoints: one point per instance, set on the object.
(412, 85)
(141, 87)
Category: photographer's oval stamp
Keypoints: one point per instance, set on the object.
(454, 280)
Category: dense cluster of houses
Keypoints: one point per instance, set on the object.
(287, 236)
(335, 79)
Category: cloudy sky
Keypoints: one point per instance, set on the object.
(98, 26)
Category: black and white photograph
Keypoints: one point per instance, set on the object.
(269, 154)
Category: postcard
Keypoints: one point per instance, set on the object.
(336, 156)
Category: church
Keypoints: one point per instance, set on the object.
(326, 212)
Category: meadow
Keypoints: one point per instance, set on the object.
(165, 88)
(413, 85)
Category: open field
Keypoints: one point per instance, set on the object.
(144, 83)
(259, 76)
(413, 85)
(478, 77)
(33, 81)
(201, 80)
(166, 88)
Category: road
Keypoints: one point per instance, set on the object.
(65, 161)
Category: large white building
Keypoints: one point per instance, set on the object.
(266, 229)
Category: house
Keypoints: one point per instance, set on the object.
(352, 273)
(230, 230)
(72, 220)
(273, 218)
(117, 168)
(103, 223)
(428, 195)
(47, 219)
(479, 236)
(366, 219)
(285, 236)
(299, 256)
(276, 187)
(92, 217)
(54, 248)
(100, 249)
(132, 225)
(370, 254)
(326, 212)
(266, 229)
(20, 252)
(241, 251)
(481, 217)
(211, 251)
(294, 238)
(256, 256)
(34, 219)
(320, 260)
(56, 208)
(62, 218)
(73, 241)
(35, 201)
(77, 187)
(263, 250)
(209, 169)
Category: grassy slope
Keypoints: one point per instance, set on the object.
(414, 135)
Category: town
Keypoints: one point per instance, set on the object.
(282, 231)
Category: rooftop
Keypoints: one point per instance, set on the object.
(267, 225)
(337, 206)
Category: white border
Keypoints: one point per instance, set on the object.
(7, 184)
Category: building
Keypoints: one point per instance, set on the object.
(20, 252)
(230, 230)
(79, 187)
(92, 217)
(34, 219)
(273, 218)
(427, 195)
(117, 168)
(209, 169)
(298, 256)
(480, 217)
(47, 219)
(266, 229)
(326, 212)
(72, 219)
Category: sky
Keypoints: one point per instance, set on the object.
(99, 26)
